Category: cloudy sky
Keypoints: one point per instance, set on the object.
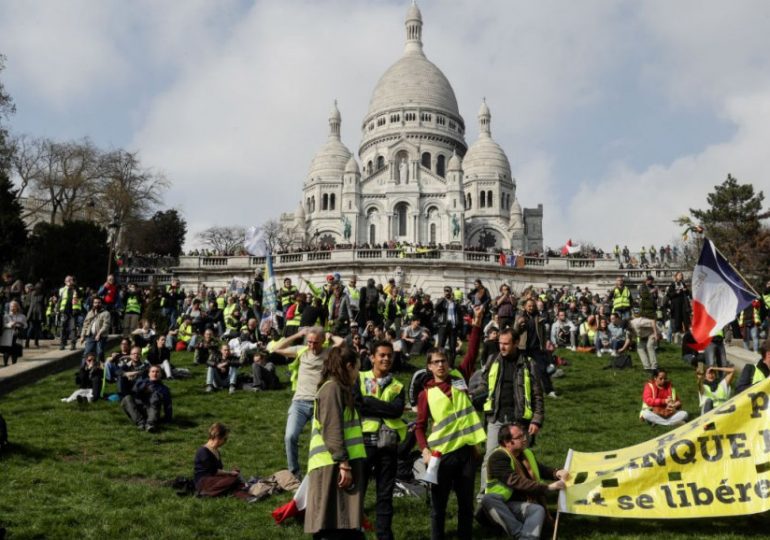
(618, 116)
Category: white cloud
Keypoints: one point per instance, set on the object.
(638, 207)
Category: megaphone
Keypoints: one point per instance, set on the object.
(431, 472)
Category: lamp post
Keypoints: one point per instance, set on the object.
(113, 229)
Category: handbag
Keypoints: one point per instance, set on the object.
(386, 437)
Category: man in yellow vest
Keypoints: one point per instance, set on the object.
(752, 374)
(515, 492)
(454, 435)
(66, 308)
(712, 392)
(380, 398)
(621, 299)
(132, 311)
(514, 393)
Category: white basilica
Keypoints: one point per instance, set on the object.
(418, 181)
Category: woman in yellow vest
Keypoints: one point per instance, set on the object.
(455, 432)
(335, 499)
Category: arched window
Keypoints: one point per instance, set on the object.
(432, 233)
(308, 208)
(489, 199)
(372, 234)
(380, 162)
(483, 200)
(401, 219)
(425, 161)
(331, 200)
(441, 166)
(325, 202)
(470, 201)
(350, 205)
(369, 167)
(312, 203)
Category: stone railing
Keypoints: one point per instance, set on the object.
(159, 278)
(342, 256)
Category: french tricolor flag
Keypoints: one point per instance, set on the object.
(719, 293)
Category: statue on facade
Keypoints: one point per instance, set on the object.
(346, 227)
(403, 172)
(455, 226)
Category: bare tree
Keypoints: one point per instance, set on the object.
(126, 190)
(224, 240)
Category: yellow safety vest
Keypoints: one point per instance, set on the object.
(504, 490)
(757, 320)
(185, 333)
(758, 376)
(294, 367)
(455, 421)
(391, 392)
(717, 397)
(621, 299)
(221, 303)
(590, 332)
(133, 305)
(494, 373)
(319, 455)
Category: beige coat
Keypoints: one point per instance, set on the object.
(102, 323)
(329, 507)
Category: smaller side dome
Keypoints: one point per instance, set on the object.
(517, 219)
(299, 213)
(352, 166)
(455, 163)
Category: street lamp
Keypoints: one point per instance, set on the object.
(113, 228)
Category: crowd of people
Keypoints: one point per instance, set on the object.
(343, 343)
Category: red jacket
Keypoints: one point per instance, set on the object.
(657, 397)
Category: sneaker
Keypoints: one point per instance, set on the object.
(557, 374)
(209, 388)
(573, 349)
(149, 428)
(613, 353)
(141, 426)
(553, 395)
(599, 354)
(232, 390)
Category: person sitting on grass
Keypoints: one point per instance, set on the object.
(144, 333)
(160, 355)
(89, 381)
(205, 347)
(129, 371)
(660, 404)
(712, 391)
(564, 332)
(515, 497)
(263, 372)
(414, 338)
(148, 396)
(117, 358)
(222, 370)
(211, 479)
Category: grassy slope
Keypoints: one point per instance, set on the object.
(84, 471)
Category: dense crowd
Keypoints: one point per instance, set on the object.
(341, 342)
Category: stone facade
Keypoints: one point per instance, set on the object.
(418, 181)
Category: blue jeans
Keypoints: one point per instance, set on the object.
(216, 378)
(751, 338)
(300, 413)
(94, 345)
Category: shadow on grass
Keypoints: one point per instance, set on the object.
(26, 451)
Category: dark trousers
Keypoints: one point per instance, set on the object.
(265, 377)
(140, 412)
(67, 323)
(34, 330)
(541, 366)
(381, 464)
(448, 333)
(457, 472)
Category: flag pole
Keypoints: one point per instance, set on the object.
(556, 524)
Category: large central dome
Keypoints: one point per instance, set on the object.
(413, 81)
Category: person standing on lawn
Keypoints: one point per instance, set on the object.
(308, 365)
(380, 399)
(455, 433)
(335, 494)
(515, 493)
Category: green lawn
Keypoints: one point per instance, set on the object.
(83, 471)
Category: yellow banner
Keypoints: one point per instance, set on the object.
(716, 465)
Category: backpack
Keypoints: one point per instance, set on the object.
(417, 384)
(621, 361)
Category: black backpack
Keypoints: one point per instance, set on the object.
(621, 361)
